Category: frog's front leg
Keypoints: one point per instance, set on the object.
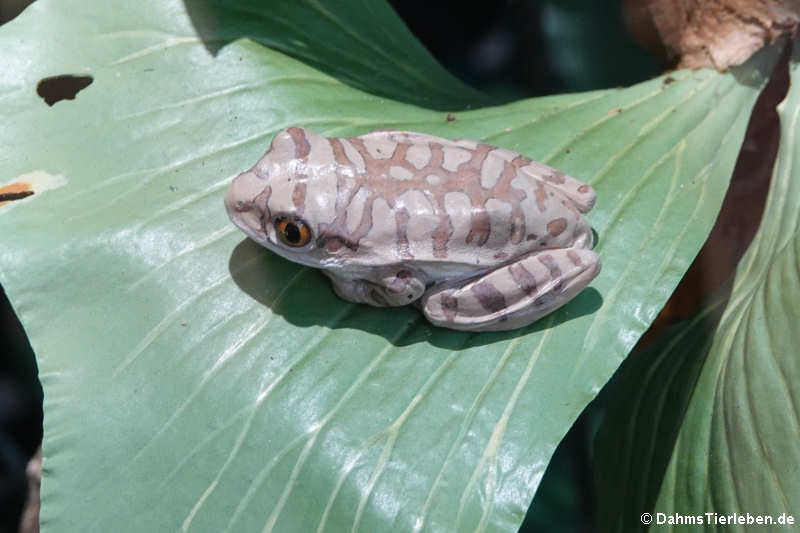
(388, 287)
(513, 295)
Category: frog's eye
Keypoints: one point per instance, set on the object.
(292, 231)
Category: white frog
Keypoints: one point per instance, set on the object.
(480, 238)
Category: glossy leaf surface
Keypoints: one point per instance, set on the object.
(195, 381)
(706, 420)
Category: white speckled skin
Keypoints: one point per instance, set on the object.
(480, 238)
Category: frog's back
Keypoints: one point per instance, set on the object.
(483, 171)
(433, 199)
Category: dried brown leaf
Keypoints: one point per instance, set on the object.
(721, 33)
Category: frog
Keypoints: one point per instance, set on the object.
(478, 237)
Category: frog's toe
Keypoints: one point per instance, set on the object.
(400, 288)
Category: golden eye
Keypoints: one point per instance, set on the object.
(292, 231)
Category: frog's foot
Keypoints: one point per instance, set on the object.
(395, 288)
(513, 295)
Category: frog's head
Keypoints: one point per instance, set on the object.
(288, 197)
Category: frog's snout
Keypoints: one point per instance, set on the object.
(241, 205)
(242, 192)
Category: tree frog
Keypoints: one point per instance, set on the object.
(480, 238)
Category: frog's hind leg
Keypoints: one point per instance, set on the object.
(513, 295)
(389, 289)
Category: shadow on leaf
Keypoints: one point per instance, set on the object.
(303, 297)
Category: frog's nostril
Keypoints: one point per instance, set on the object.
(232, 201)
(242, 207)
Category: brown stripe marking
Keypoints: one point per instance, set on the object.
(301, 150)
(401, 217)
(555, 272)
(574, 257)
(346, 189)
(548, 261)
(480, 226)
(503, 191)
(449, 305)
(444, 229)
(557, 177)
(334, 236)
(338, 152)
(489, 297)
(365, 225)
(541, 196)
(301, 145)
(299, 198)
(399, 155)
(261, 201)
(523, 277)
(517, 226)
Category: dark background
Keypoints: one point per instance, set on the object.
(508, 49)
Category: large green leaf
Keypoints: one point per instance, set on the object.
(193, 380)
(361, 43)
(706, 421)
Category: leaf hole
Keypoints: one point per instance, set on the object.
(14, 191)
(62, 87)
